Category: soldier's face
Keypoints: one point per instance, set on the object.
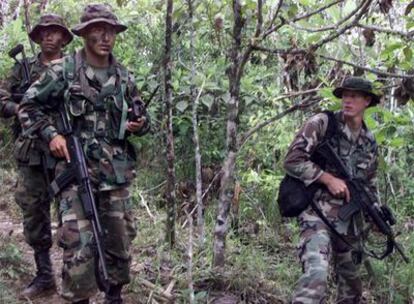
(100, 39)
(52, 40)
(354, 103)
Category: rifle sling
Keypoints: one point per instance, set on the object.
(331, 226)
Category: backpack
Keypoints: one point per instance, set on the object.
(294, 197)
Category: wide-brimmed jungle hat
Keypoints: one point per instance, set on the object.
(96, 13)
(50, 20)
(358, 84)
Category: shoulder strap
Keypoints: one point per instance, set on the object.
(124, 83)
(332, 125)
(69, 72)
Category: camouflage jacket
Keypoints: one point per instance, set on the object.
(14, 85)
(26, 150)
(359, 155)
(98, 114)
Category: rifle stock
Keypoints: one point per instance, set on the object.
(17, 97)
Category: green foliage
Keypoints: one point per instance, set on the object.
(265, 79)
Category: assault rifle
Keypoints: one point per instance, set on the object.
(17, 96)
(362, 200)
(77, 173)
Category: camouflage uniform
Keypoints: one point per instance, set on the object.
(98, 114)
(34, 162)
(31, 193)
(317, 243)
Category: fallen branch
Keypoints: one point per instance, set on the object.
(146, 207)
(157, 291)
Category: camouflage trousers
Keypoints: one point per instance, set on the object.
(317, 248)
(31, 196)
(76, 239)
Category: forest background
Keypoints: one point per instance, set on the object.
(229, 83)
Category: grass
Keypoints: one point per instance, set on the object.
(12, 269)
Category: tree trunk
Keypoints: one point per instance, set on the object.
(27, 24)
(227, 179)
(196, 140)
(170, 195)
(3, 12)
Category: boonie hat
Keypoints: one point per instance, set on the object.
(95, 13)
(357, 84)
(50, 20)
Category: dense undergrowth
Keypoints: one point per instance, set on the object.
(261, 266)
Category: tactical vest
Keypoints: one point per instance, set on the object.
(95, 114)
(98, 118)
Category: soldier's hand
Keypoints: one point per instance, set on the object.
(58, 147)
(336, 186)
(135, 126)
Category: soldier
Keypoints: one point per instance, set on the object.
(356, 147)
(96, 92)
(31, 195)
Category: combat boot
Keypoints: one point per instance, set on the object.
(44, 282)
(113, 295)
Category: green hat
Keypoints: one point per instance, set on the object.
(95, 13)
(49, 20)
(357, 84)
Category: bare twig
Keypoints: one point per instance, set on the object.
(362, 10)
(303, 51)
(319, 10)
(374, 71)
(306, 104)
(406, 35)
(327, 28)
(279, 51)
(211, 184)
(274, 29)
(279, 5)
(155, 187)
(294, 94)
(253, 41)
(310, 30)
